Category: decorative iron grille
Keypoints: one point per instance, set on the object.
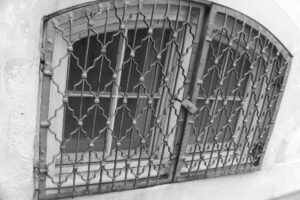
(136, 94)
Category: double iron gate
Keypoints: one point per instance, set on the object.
(136, 94)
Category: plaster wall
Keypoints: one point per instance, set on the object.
(20, 27)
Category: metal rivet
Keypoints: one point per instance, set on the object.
(243, 103)
(122, 27)
(247, 47)
(84, 75)
(166, 79)
(263, 51)
(270, 106)
(279, 73)
(165, 139)
(96, 100)
(211, 121)
(134, 122)
(107, 123)
(245, 121)
(225, 103)
(103, 50)
(150, 31)
(268, 89)
(207, 38)
(229, 121)
(150, 101)
(45, 124)
(65, 99)
(254, 86)
(118, 143)
(281, 90)
(238, 85)
(200, 81)
(128, 162)
(70, 15)
(125, 100)
(230, 44)
(91, 23)
(198, 139)
(143, 141)
(261, 136)
(191, 121)
(221, 83)
(207, 102)
(62, 147)
(132, 54)
(141, 79)
(216, 138)
(174, 35)
(91, 145)
(114, 76)
(48, 72)
(251, 67)
(278, 53)
(216, 61)
(80, 123)
(234, 64)
(158, 121)
(70, 49)
(158, 57)
(257, 105)
(266, 70)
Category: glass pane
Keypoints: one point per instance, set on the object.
(99, 64)
(217, 126)
(125, 131)
(142, 72)
(94, 123)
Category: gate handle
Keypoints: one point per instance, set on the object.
(192, 108)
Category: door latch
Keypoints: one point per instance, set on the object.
(192, 108)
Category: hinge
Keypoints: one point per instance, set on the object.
(192, 108)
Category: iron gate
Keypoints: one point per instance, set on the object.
(136, 94)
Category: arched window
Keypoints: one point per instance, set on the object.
(136, 94)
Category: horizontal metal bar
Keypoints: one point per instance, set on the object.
(108, 95)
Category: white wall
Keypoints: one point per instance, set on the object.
(19, 61)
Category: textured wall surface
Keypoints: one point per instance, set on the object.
(20, 27)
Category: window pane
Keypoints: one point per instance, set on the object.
(218, 130)
(144, 63)
(94, 122)
(125, 132)
(100, 62)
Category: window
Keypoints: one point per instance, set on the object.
(136, 94)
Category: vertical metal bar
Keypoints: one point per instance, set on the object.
(156, 129)
(115, 89)
(274, 116)
(195, 71)
(44, 110)
(65, 105)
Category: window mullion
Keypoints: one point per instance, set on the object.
(115, 89)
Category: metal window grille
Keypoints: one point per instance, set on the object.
(136, 94)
